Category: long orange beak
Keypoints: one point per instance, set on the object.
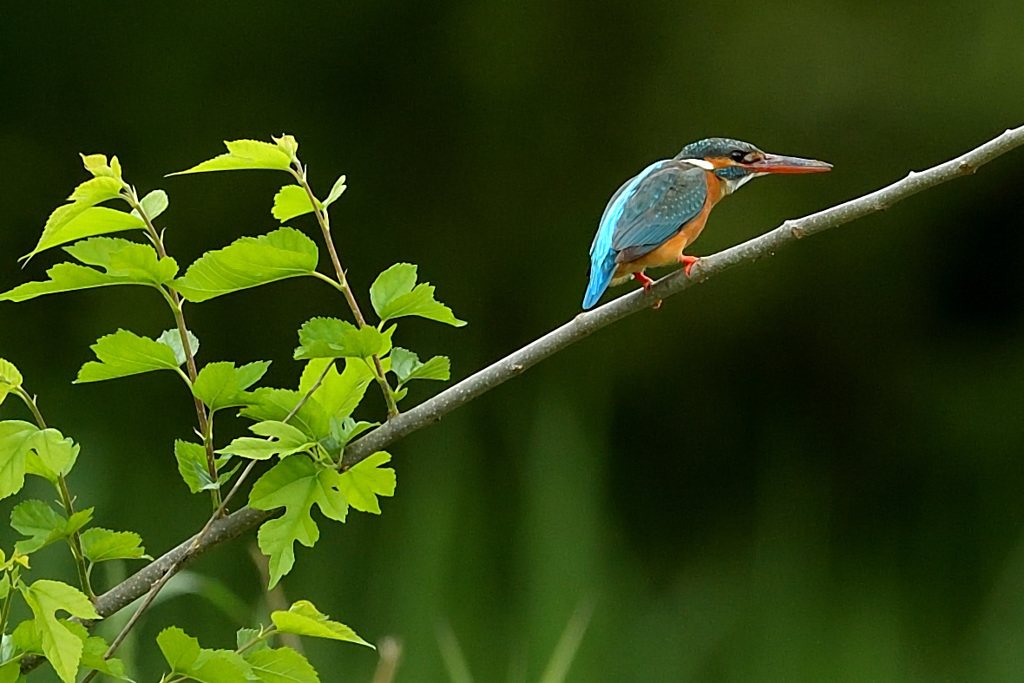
(775, 163)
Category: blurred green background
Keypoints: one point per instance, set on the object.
(808, 469)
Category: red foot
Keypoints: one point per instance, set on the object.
(646, 282)
(688, 262)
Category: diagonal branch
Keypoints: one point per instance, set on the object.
(579, 327)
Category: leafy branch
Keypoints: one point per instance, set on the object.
(581, 326)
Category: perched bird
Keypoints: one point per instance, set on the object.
(656, 214)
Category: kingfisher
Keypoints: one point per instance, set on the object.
(659, 212)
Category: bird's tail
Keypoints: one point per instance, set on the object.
(600, 276)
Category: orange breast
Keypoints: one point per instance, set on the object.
(670, 251)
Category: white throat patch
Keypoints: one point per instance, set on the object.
(699, 163)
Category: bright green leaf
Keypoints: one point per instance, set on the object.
(76, 223)
(155, 203)
(98, 166)
(334, 338)
(339, 393)
(44, 525)
(100, 545)
(244, 155)
(283, 439)
(289, 202)
(336, 190)
(282, 665)
(186, 658)
(14, 437)
(267, 403)
(303, 619)
(249, 262)
(407, 366)
(58, 228)
(10, 378)
(395, 294)
(296, 484)
(180, 650)
(125, 353)
(172, 338)
(51, 454)
(93, 651)
(343, 430)
(221, 385)
(287, 144)
(11, 672)
(63, 649)
(366, 480)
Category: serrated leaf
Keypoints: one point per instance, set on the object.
(186, 658)
(125, 353)
(336, 190)
(172, 338)
(44, 525)
(93, 651)
(268, 403)
(14, 437)
(101, 188)
(75, 223)
(63, 649)
(287, 144)
(295, 484)
(303, 619)
(249, 262)
(222, 385)
(395, 294)
(339, 393)
(247, 639)
(282, 665)
(366, 480)
(334, 338)
(244, 155)
(192, 466)
(124, 263)
(155, 203)
(283, 439)
(10, 378)
(407, 366)
(289, 202)
(50, 454)
(100, 545)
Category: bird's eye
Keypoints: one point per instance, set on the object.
(737, 155)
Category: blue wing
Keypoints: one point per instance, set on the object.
(645, 212)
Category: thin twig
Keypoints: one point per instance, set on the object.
(584, 324)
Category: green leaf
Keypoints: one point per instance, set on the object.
(339, 393)
(98, 166)
(11, 672)
(343, 430)
(14, 437)
(155, 203)
(289, 202)
(44, 525)
(268, 403)
(283, 439)
(333, 338)
(172, 338)
(93, 651)
(50, 455)
(248, 639)
(10, 378)
(366, 480)
(124, 263)
(88, 194)
(287, 144)
(303, 619)
(296, 484)
(249, 262)
(125, 353)
(336, 190)
(74, 223)
(192, 466)
(407, 366)
(244, 155)
(100, 545)
(222, 385)
(186, 658)
(282, 665)
(395, 294)
(63, 649)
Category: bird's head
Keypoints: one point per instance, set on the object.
(735, 162)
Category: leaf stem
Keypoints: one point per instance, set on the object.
(299, 171)
(75, 541)
(175, 302)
